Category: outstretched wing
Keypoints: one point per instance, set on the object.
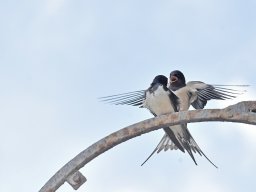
(204, 92)
(134, 98)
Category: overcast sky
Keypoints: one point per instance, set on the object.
(58, 56)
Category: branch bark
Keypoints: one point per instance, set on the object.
(243, 112)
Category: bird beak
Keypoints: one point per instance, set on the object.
(173, 79)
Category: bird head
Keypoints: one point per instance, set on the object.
(161, 79)
(177, 80)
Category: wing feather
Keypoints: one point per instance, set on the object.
(204, 92)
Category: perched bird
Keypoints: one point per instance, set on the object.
(160, 100)
(196, 93)
(193, 93)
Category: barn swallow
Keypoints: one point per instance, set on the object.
(195, 93)
(160, 100)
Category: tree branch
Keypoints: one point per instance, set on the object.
(243, 112)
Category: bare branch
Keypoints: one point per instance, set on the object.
(243, 112)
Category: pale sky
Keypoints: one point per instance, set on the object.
(58, 56)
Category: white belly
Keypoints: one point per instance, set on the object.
(185, 98)
(158, 102)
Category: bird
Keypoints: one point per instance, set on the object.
(160, 100)
(195, 93)
(198, 92)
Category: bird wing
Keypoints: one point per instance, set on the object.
(134, 98)
(201, 93)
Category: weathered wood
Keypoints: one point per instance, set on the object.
(243, 112)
